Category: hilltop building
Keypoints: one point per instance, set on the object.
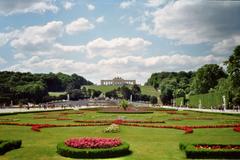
(118, 81)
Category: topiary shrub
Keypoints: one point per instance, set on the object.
(71, 152)
(211, 151)
(7, 145)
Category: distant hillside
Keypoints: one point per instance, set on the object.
(148, 90)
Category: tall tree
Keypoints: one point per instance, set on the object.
(206, 78)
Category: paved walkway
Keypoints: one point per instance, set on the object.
(204, 110)
(14, 110)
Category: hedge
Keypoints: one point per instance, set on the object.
(196, 153)
(208, 100)
(7, 145)
(71, 152)
(179, 101)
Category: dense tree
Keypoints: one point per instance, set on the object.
(136, 92)
(126, 92)
(153, 100)
(112, 94)
(166, 96)
(96, 94)
(233, 67)
(206, 78)
(76, 94)
(22, 87)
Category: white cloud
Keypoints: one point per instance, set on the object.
(68, 48)
(37, 38)
(116, 47)
(156, 3)
(127, 4)
(79, 25)
(2, 61)
(90, 7)
(19, 56)
(100, 19)
(26, 6)
(6, 37)
(226, 46)
(194, 22)
(68, 5)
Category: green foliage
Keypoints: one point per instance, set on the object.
(192, 152)
(166, 96)
(153, 100)
(124, 104)
(118, 151)
(206, 78)
(180, 101)
(112, 94)
(126, 92)
(7, 145)
(233, 67)
(76, 94)
(208, 100)
(136, 92)
(28, 87)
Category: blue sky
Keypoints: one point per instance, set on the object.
(109, 38)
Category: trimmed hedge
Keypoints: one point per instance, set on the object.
(7, 145)
(180, 101)
(71, 152)
(208, 100)
(196, 153)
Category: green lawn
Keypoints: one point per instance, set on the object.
(148, 90)
(56, 94)
(145, 143)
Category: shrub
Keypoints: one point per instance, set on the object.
(124, 104)
(194, 151)
(7, 145)
(113, 128)
(67, 151)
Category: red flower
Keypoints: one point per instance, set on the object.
(93, 142)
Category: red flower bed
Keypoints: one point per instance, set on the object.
(93, 142)
(237, 129)
(199, 146)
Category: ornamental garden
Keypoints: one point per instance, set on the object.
(119, 133)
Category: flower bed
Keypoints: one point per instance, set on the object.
(93, 142)
(219, 151)
(113, 128)
(93, 148)
(237, 129)
(7, 145)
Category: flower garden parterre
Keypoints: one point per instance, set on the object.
(92, 142)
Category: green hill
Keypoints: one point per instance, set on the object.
(148, 90)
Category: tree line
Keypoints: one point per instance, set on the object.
(28, 87)
(208, 78)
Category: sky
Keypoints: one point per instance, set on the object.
(102, 39)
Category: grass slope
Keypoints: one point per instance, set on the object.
(148, 90)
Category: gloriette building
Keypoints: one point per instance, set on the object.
(118, 81)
